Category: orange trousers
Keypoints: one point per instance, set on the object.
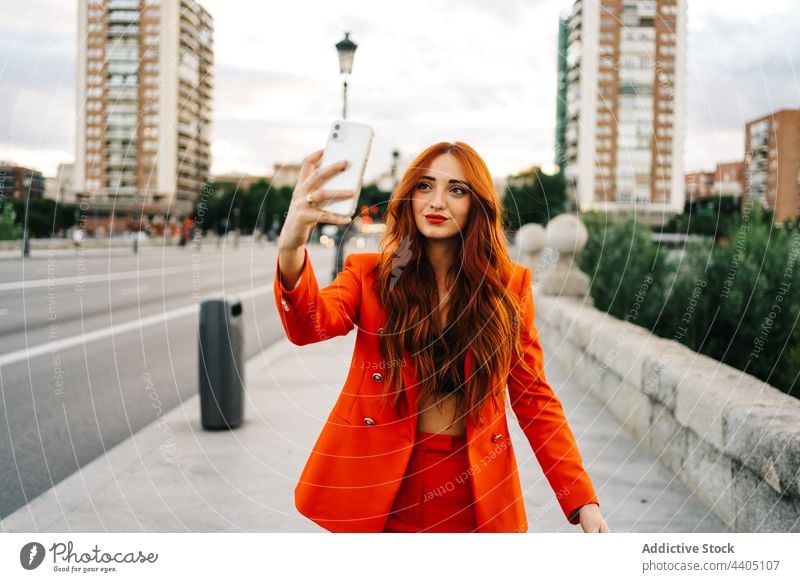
(436, 493)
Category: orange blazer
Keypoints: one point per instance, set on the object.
(358, 462)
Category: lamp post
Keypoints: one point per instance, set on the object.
(346, 49)
(395, 160)
(237, 227)
(26, 241)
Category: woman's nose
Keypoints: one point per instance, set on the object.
(438, 199)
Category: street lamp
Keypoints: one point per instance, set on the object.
(237, 227)
(395, 160)
(26, 239)
(347, 50)
(27, 183)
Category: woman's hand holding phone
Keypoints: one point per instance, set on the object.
(304, 213)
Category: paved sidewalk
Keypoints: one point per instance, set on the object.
(173, 476)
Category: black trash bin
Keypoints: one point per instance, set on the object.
(221, 341)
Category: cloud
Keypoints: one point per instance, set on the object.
(425, 70)
(742, 64)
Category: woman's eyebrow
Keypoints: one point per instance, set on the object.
(449, 181)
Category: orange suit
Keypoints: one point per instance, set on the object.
(355, 469)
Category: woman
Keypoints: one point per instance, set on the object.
(418, 439)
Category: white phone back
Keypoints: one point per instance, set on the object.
(352, 143)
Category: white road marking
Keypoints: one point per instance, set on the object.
(142, 289)
(135, 325)
(93, 278)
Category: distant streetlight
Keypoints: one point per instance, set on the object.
(395, 160)
(347, 50)
(135, 217)
(26, 242)
(237, 227)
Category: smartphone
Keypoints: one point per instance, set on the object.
(346, 141)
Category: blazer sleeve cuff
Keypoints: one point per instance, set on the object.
(291, 303)
(573, 515)
(281, 287)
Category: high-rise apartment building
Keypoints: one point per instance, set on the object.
(626, 69)
(772, 163)
(563, 85)
(144, 104)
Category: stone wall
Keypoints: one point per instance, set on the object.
(731, 438)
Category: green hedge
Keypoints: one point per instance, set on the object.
(737, 302)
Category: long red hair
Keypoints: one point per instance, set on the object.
(484, 315)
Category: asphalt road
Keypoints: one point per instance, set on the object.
(95, 345)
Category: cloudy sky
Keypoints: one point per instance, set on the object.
(425, 70)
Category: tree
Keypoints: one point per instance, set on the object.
(627, 270)
(714, 216)
(9, 229)
(42, 213)
(533, 197)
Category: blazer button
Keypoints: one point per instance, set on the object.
(368, 421)
(377, 377)
(496, 437)
(285, 305)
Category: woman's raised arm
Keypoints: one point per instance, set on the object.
(307, 313)
(310, 314)
(304, 214)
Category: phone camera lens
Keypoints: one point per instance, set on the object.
(336, 126)
(335, 135)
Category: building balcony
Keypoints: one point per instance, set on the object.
(188, 40)
(121, 163)
(123, 16)
(123, 4)
(188, 184)
(190, 16)
(122, 191)
(126, 137)
(128, 94)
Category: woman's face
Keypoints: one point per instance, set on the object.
(442, 190)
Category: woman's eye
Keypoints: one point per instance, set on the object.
(422, 185)
(458, 190)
